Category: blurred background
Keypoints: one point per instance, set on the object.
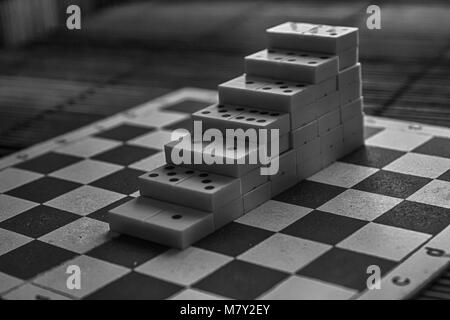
(53, 80)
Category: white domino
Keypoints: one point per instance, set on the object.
(353, 133)
(309, 159)
(287, 173)
(194, 189)
(161, 222)
(329, 121)
(348, 58)
(224, 117)
(233, 161)
(307, 168)
(350, 92)
(276, 95)
(305, 134)
(349, 75)
(257, 197)
(332, 146)
(252, 180)
(351, 109)
(291, 65)
(311, 37)
(315, 110)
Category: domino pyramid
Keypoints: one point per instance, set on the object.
(307, 84)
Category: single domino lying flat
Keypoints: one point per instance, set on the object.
(312, 37)
(224, 117)
(161, 222)
(190, 188)
(275, 95)
(234, 160)
(299, 66)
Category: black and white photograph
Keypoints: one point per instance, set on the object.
(197, 150)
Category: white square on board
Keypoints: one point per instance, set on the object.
(32, 292)
(184, 267)
(344, 175)
(88, 147)
(84, 200)
(384, 241)
(274, 215)
(7, 282)
(12, 178)
(436, 193)
(301, 288)
(397, 140)
(360, 204)
(159, 119)
(155, 140)
(12, 206)
(95, 274)
(193, 294)
(80, 235)
(86, 171)
(284, 252)
(421, 165)
(11, 240)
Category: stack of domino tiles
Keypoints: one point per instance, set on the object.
(307, 85)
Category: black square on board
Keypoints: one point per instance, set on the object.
(324, 227)
(417, 217)
(371, 131)
(48, 162)
(233, 239)
(127, 251)
(241, 280)
(445, 176)
(309, 194)
(345, 268)
(125, 132)
(182, 124)
(38, 221)
(124, 181)
(436, 146)
(102, 214)
(32, 259)
(187, 106)
(135, 286)
(43, 189)
(374, 157)
(125, 154)
(392, 184)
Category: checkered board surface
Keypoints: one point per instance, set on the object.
(387, 204)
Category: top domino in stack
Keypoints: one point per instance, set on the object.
(333, 40)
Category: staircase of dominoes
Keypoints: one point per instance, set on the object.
(307, 84)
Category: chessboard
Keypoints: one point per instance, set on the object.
(385, 206)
